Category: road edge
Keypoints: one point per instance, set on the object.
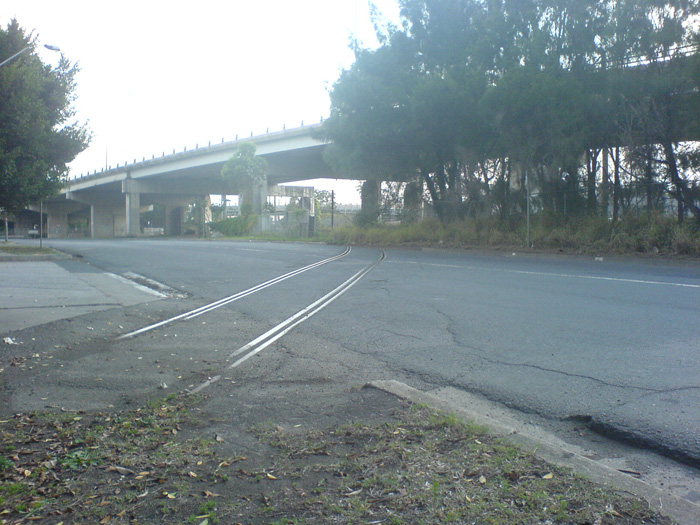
(678, 509)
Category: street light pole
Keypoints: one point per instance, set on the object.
(47, 46)
(41, 224)
(527, 204)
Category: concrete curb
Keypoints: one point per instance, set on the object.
(680, 510)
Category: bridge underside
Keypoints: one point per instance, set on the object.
(110, 204)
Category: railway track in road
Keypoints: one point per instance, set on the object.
(261, 342)
(266, 339)
(231, 298)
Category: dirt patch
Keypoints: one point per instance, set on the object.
(149, 466)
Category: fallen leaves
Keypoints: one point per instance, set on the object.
(610, 510)
(125, 467)
(66, 462)
(121, 470)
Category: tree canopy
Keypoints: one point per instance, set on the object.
(246, 172)
(464, 93)
(38, 132)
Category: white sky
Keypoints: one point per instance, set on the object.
(161, 75)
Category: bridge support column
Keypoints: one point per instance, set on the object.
(371, 198)
(133, 214)
(174, 220)
(57, 225)
(206, 216)
(260, 197)
(101, 221)
(413, 201)
(56, 217)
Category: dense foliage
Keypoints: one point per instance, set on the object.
(592, 103)
(244, 172)
(38, 134)
(234, 226)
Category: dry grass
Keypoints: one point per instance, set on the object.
(427, 467)
(632, 235)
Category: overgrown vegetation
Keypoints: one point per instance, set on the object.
(430, 467)
(234, 226)
(82, 467)
(246, 175)
(426, 467)
(643, 234)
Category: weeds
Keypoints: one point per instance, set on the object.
(100, 465)
(430, 467)
(23, 249)
(425, 467)
(645, 234)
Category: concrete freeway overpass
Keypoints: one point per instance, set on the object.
(113, 199)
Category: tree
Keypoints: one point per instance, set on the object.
(247, 174)
(409, 109)
(324, 199)
(38, 133)
(532, 86)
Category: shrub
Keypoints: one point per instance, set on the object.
(235, 227)
(632, 234)
(686, 240)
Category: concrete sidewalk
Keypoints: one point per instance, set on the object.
(38, 291)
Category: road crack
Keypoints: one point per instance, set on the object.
(569, 374)
(408, 336)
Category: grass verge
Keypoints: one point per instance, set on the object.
(643, 234)
(425, 467)
(23, 249)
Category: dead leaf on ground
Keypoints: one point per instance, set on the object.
(610, 510)
(121, 470)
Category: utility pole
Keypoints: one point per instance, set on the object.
(332, 208)
(41, 225)
(527, 204)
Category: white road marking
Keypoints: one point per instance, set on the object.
(260, 343)
(226, 300)
(156, 288)
(552, 274)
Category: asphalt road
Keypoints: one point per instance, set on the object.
(614, 342)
